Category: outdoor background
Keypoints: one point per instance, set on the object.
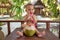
(44, 10)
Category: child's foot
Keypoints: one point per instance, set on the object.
(19, 33)
(41, 34)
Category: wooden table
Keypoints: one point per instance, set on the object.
(49, 36)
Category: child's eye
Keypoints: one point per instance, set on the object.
(29, 9)
(32, 9)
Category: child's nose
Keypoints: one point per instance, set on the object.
(30, 12)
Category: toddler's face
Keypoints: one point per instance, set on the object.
(30, 9)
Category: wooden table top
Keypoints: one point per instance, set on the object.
(49, 36)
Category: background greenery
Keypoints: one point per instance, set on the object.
(52, 6)
(17, 8)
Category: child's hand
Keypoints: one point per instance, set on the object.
(30, 18)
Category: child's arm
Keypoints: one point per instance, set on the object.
(34, 17)
(25, 17)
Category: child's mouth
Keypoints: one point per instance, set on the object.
(30, 12)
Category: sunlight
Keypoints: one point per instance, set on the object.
(33, 1)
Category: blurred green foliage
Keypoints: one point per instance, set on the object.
(52, 6)
(17, 8)
(5, 1)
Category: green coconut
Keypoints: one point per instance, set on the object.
(29, 32)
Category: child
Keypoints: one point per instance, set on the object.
(29, 30)
(29, 8)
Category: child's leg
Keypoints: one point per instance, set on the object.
(40, 34)
(19, 33)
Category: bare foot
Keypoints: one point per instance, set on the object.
(43, 33)
(39, 34)
(19, 33)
